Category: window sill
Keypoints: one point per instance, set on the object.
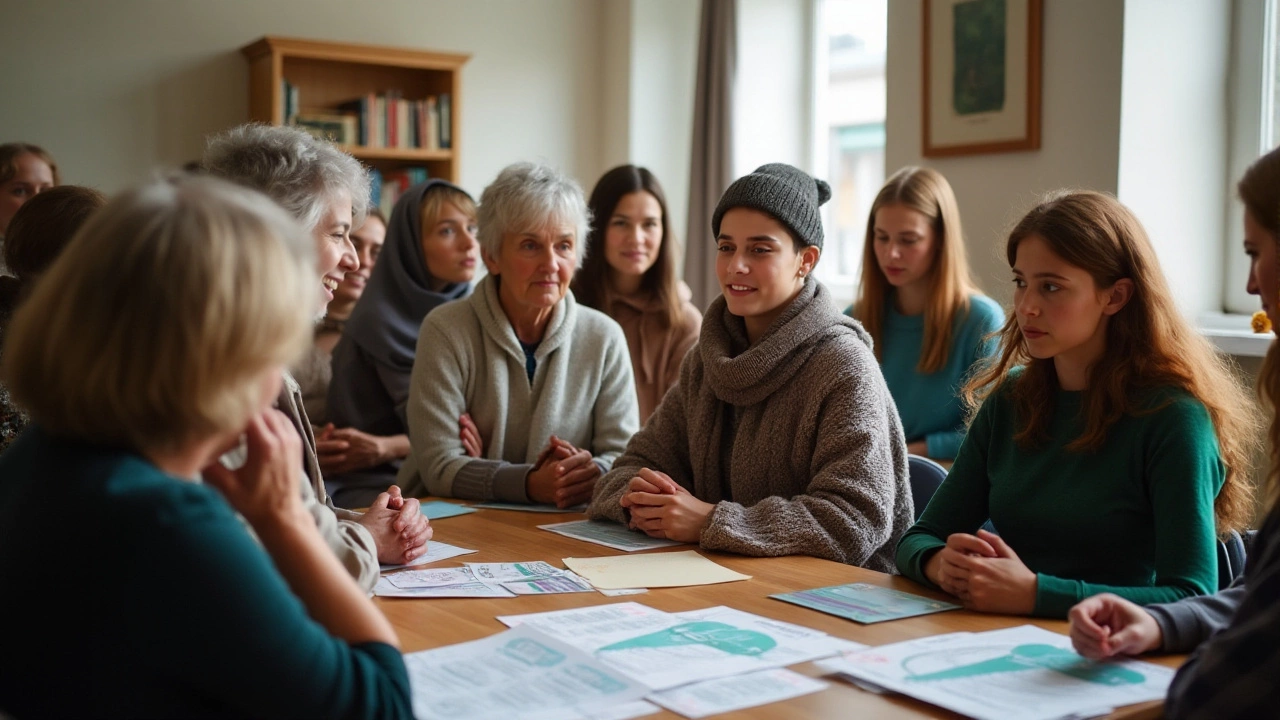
(1232, 335)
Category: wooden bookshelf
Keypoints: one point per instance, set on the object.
(328, 74)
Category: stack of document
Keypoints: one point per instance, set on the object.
(482, 580)
(1024, 672)
(694, 663)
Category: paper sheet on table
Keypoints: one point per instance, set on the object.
(673, 569)
(865, 603)
(712, 697)
(666, 650)
(436, 551)
(529, 508)
(609, 534)
(520, 674)
(385, 588)
(436, 509)
(1024, 672)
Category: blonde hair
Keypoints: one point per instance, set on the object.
(433, 202)
(1149, 345)
(927, 192)
(156, 326)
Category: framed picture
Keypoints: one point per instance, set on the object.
(981, 76)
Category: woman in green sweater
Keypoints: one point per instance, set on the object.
(150, 347)
(1109, 439)
(923, 311)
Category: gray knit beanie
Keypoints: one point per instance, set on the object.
(785, 192)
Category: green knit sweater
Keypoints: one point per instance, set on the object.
(136, 594)
(1134, 518)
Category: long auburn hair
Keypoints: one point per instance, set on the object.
(927, 192)
(591, 285)
(1149, 345)
(1259, 190)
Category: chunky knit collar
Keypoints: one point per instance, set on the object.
(498, 327)
(743, 374)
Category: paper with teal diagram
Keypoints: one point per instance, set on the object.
(722, 695)
(865, 603)
(665, 650)
(1023, 672)
(515, 675)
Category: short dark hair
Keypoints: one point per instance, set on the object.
(43, 226)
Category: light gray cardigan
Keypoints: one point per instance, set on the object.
(795, 439)
(469, 361)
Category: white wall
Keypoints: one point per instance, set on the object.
(1173, 139)
(1080, 129)
(114, 89)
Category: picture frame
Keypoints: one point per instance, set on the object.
(982, 75)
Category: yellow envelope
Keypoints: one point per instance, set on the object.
(652, 570)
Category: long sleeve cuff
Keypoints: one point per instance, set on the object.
(509, 483)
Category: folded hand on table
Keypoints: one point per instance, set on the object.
(399, 528)
(662, 508)
(563, 475)
(1106, 625)
(985, 573)
(344, 450)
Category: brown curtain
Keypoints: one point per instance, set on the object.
(712, 150)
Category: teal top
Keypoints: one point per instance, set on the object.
(1134, 518)
(132, 593)
(929, 403)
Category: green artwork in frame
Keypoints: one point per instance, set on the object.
(978, 79)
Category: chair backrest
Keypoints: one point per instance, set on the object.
(1231, 557)
(926, 475)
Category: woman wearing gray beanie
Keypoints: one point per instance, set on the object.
(780, 437)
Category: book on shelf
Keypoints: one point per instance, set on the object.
(389, 186)
(389, 120)
(339, 128)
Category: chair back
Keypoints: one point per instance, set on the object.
(1231, 557)
(926, 476)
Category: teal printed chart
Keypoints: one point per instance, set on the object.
(520, 673)
(436, 510)
(1024, 672)
(1025, 657)
(718, 635)
(865, 603)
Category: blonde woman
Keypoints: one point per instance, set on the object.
(132, 399)
(924, 313)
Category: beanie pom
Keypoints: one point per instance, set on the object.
(824, 191)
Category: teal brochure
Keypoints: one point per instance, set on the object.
(436, 509)
(865, 603)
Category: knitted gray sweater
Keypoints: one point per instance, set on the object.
(795, 439)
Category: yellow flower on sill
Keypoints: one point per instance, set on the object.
(1260, 322)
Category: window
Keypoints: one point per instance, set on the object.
(849, 136)
(1255, 125)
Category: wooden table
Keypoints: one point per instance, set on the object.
(506, 536)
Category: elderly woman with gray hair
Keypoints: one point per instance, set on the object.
(541, 386)
(327, 191)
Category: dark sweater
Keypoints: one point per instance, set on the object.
(133, 593)
(1233, 675)
(1134, 518)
